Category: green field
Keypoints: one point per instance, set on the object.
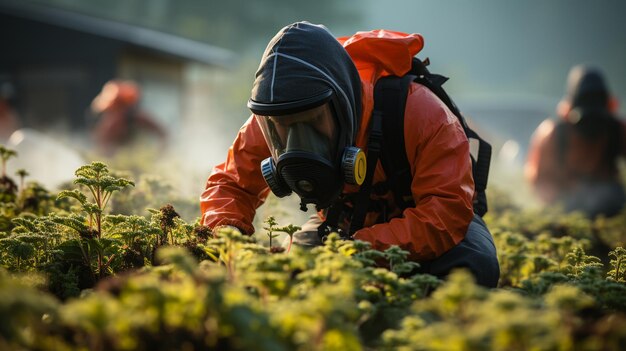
(88, 268)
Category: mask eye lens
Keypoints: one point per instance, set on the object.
(313, 130)
(280, 127)
(324, 123)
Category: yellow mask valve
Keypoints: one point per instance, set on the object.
(354, 165)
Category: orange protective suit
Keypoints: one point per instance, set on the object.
(436, 146)
(552, 174)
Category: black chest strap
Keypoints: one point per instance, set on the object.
(361, 200)
(374, 147)
(390, 101)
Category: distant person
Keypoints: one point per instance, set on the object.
(9, 121)
(120, 119)
(573, 159)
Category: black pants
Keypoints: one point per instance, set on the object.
(596, 198)
(476, 252)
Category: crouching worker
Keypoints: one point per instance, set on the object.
(315, 131)
(573, 160)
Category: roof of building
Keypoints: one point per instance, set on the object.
(166, 43)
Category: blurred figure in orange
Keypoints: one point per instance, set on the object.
(9, 121)
(120, 120)
(573, 159)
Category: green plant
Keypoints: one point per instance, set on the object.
(167, 215)
(272, 227)
(30, 244)
(8, 188)
(22, 173)
(5, 155)
(36, 199)
(138, 238)
(100, 185)
(579, 264)
(618, 264)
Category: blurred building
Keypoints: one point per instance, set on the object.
(59, 60)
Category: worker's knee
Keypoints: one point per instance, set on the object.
(476, 252)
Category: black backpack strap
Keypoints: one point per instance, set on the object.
(480, 171)
(482, 161)
(374, 145)
(390, 97)
(392, 93)
(387, 120)
(361, 201)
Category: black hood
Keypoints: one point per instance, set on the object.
(305, 60)
(586, 88)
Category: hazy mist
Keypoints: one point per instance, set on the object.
(493, 50)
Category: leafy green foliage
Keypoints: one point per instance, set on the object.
(24, 311)
(77, 277)
(462, 316)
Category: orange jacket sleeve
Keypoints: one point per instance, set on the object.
(442, 184)
(236, 188)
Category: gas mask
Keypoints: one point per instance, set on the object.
(309, 155)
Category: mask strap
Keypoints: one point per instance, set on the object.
(362, 199)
